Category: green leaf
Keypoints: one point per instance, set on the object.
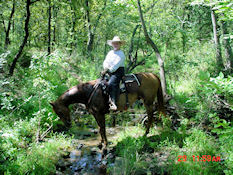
(221, 75)
(204, 75)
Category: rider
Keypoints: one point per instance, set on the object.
(114, 63)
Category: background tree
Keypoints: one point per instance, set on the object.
(7, 29)
(149, 41)
(49, 26)
(227, 47)
(28, 3)
(216, 40)
(179, 32)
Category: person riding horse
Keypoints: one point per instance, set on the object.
(114, 64)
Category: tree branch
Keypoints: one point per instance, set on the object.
(152, 6)
(99, 16)
(46, 132)
(4, 26)
(7, 39)
(33, 2)
(131, 43)
(137, 64)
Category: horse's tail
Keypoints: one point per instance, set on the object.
(161, 108)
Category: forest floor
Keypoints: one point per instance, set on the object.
(198, 127)
(85, 156)
(130, 152)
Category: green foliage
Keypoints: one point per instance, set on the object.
(25, 101)
(224, 130)
(32, 159)
(197, 144)
(216, 92)
(142, 154)
(183, 33)
(213, 106)
(19, 152)
(224, 7)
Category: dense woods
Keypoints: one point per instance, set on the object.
(48, 46)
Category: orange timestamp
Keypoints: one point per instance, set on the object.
(203, 158)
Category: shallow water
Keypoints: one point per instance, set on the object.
(86, 158)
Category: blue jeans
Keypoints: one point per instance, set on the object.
(114, 83)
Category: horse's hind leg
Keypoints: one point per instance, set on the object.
(149, 111)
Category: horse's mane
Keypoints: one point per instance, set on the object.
(78, 93)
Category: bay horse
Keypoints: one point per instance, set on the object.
(98, 106)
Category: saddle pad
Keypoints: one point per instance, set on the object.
(130, 78)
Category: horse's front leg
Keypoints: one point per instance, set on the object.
(100, 118)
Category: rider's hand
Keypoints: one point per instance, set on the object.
(104, 72)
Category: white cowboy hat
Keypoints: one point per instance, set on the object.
(115, 39)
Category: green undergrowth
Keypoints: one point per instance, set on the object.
(205, 117)
(21, 154)
(25, 110)
(202, 101)
(159, 153)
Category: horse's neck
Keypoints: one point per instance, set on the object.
(76, 94)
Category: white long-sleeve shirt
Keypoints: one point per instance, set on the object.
(114, 60)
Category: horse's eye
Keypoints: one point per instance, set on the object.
(59, 113)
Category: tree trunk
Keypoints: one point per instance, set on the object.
(25, 38)
(216, 41)
(183, 31)
(91, 32)
(74, 19)
(3, 23)
(7, 38)
(133, 60)
(157, 53)
(227, 47)
(54, 27)
(49, 27)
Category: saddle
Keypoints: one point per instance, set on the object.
(128, 84)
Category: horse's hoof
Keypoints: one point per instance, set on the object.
(104, 153)
(145, 134)
(100, 146)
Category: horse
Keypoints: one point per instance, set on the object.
(91, 94)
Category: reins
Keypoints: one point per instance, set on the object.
(93, 92)
(94, 89)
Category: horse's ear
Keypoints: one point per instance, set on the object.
(52, 104)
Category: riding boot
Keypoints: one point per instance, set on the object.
(113, 99)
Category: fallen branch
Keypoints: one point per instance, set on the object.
(46, 132)
(27, 100)
(141, 115)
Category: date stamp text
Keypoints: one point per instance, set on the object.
(203, 158)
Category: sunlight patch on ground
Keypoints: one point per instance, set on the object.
(133, 131)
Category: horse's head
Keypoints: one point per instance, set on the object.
(63, 113)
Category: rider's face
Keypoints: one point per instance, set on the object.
(116, 45)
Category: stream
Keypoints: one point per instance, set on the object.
(86, 158)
